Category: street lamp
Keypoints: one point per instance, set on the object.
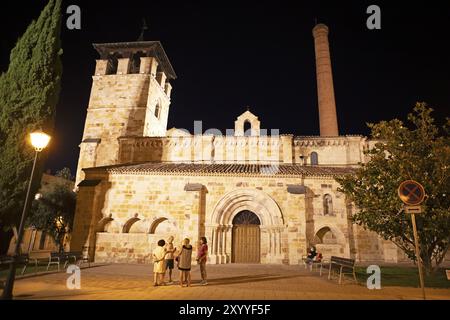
(39, 140)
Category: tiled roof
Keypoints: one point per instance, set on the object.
(168, 168)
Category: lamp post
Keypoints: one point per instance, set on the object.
(39, 140)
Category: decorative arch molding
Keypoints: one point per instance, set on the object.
(156, 223)
(127, 226)
(102, 224)
(158, 220)
(253, 200)
(220, 226)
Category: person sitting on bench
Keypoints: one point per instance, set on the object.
(311, 256)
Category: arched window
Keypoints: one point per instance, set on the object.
(247, 128)
(135, 62)
(314, 158)
(327, 205)
(113, 62)
(158, 110)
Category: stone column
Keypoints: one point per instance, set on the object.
(214, 256)
(279, 242)
(224, 252)
(325, 88)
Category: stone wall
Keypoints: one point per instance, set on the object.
(289, 222)
(338, 151)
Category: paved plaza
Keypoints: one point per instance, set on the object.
(226, 282)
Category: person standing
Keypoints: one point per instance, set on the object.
(184, 262)
(168, 262)
(202, 256)
(158, 263)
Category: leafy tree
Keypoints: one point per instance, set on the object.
(29, 92)
(54, 212)
(65, 173)
(421, 153)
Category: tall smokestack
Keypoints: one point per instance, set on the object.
(325, 88)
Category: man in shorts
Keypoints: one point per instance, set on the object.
(168, 262)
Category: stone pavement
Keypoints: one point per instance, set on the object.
(226, 282)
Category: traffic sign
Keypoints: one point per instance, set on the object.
(413, 209)
(411, 192)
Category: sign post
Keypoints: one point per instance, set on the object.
(412, 194)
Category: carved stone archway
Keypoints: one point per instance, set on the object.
(220, 224)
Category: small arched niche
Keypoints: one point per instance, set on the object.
(327, 205)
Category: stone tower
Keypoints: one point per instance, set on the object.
(325, 88)
(130, 96)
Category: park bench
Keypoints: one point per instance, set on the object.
(41, 257)
(78, 258)
(345, 266)
(22, 260)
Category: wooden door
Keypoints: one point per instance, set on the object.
(246, 238)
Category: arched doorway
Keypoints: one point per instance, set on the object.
(246, 238)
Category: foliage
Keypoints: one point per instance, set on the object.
(53, 212)
(421, 153)
(29, 92)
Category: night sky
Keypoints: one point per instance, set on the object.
(229, 55)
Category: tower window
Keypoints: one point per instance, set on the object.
(314, 158)
(136, 62)
(113, 62)
(158, 111)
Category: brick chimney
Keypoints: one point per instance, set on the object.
(325, 88)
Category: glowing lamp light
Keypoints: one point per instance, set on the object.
(39, 140)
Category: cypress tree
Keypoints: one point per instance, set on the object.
(29, 92)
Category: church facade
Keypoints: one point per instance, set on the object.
(258, 196)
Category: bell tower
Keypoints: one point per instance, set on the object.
(130, 96)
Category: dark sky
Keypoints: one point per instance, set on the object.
(228, 55)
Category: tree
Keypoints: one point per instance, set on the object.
(421, 153)
(64, 173)
(29, 92)
(53, 212)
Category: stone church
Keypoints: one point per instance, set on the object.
(257, 197)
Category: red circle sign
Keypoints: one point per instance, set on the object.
(411, 192)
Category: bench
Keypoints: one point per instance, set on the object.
(22, 259)
(57, 258)
(40, 257)
(345, 266)
(78, 258)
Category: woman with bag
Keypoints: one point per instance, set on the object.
(184, 262)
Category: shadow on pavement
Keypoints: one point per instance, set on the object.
(249, 278)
